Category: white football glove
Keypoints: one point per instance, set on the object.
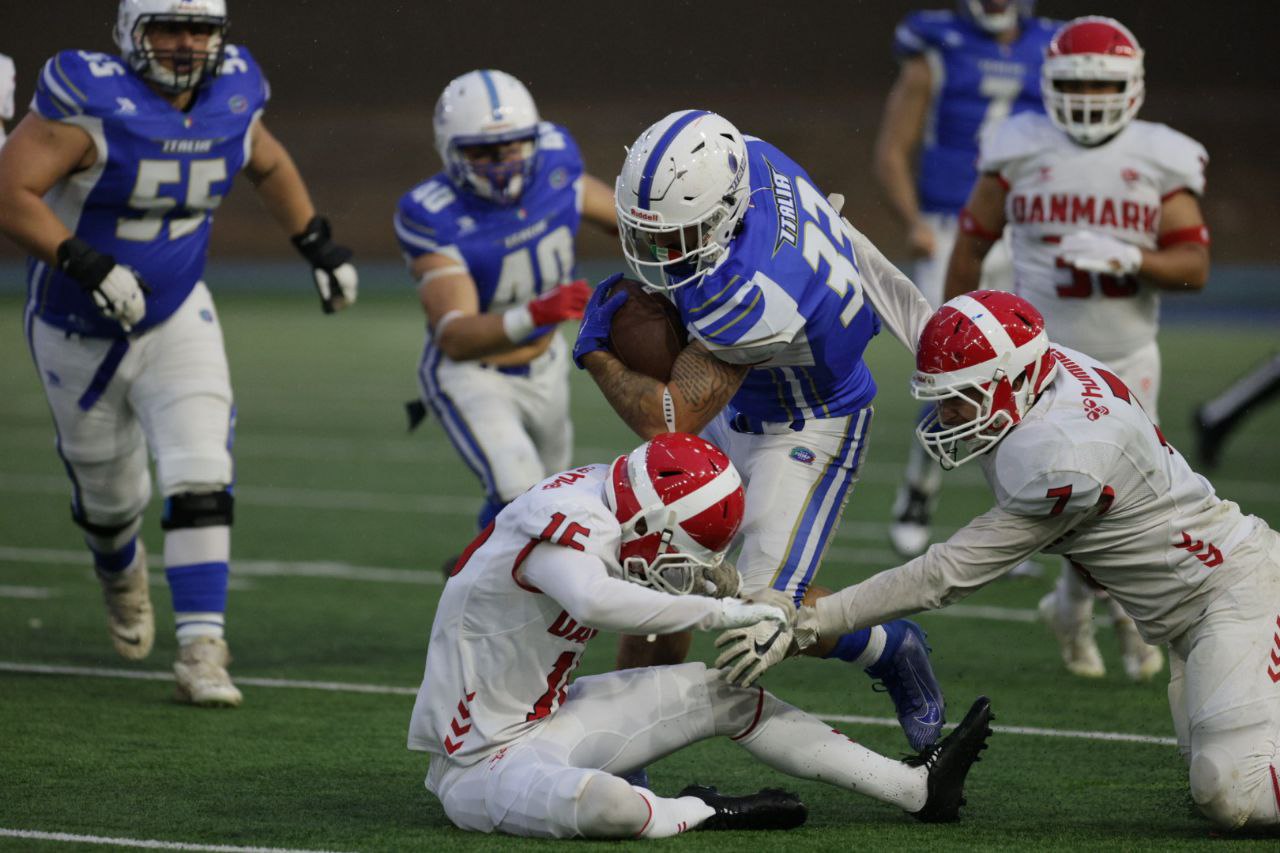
(1098, 253)
(115, 289)
(747, 653)
(331, 267)
(722, 580)
(738, 614)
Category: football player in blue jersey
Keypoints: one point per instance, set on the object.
(962, 73)
(490, 243)
(110, 184)
(766, 275)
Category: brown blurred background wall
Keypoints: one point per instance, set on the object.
(354, 83)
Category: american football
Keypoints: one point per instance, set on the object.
(646, 334)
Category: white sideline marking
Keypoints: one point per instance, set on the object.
(386, 689)
(25, 592)
(147, 843)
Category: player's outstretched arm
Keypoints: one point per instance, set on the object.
(597, 204)
(700, 386)
(36, 156)
(901, 127)
(283, 192)
(981, 223)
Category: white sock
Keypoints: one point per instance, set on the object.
(801, 745)
(193, 626)
(875, 647)
(672, 816)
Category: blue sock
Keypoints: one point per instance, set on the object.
(895, 632)
(850, 646)
(117, 561)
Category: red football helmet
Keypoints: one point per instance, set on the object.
(1092, 49)
(987, 348)
(680, 502)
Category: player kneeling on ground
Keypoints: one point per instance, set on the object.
(516, 748)
(1079, 469)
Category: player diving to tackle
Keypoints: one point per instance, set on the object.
(1079, 469)
(516, 748)
(110, 184)
(490, 243)
(735, 233)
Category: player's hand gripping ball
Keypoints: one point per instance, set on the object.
(647, 333)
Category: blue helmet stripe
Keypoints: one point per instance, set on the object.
(493, 93)
(655, 156)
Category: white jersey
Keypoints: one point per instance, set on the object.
(1157, 531)
(7, 86)
(501, 653)
(1057, 187)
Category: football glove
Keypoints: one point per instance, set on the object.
(747, 653)
(734, 613)
(1098, 253)
(335, 276)
(115, 289)
(722, 580)
(593, 334)
(538, 316)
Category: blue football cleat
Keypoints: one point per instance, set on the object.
(906, 674)
(638, 777)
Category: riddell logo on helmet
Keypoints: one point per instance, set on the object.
(646, 215)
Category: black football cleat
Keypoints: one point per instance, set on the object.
(949, 761)
(771, 808)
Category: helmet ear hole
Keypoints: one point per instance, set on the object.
(642, 527)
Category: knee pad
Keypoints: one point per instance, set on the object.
(103, 531)
(198, 509)
(1214, 791)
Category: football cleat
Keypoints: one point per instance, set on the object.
(130, 618)
(1141, 661)
(907, 676)
(909, 532)
(201, 670)
(638, 778)
(770, 808)
(1209, 438)
(948, 764)
(1075, 639)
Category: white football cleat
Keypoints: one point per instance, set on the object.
(1141, 661)
(201, 670)
(130, 618)
(1075, 639)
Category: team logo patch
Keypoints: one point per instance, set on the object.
(238, 103)
(803, 454)
(1094, 410)
(206, 315)
(558, 179)
(1130, 177)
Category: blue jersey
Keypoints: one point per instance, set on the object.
(512, 252)
(160, 173)
(787, 298)
(977, 83)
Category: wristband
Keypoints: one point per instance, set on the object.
(448, 318)
(668, 409)
(517, 323)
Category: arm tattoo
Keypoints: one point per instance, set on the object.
(704, 384)
(635, 397)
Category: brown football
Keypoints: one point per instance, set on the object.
(646, 334)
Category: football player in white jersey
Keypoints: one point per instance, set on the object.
(517, 748)
(7, 86)
(1104, 214)
(110, 183)
(490, 243)
(1079, 469)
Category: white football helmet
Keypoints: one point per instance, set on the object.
(1092, 48)
(987, 349)
(682, 192)
(135, 16)
(487, 107)
(680, 502)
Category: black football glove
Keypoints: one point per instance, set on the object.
(115, 289)
(335, 276)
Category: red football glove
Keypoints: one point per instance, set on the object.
(565, 302)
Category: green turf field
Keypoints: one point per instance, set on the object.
(342, 522)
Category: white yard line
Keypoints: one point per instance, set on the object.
(32, 592)
(145, 843)
(386, 689)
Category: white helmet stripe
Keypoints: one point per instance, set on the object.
(706, 496)
(986, 322)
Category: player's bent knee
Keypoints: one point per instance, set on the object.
(192, 509)
(1216, 789)
(608, 807)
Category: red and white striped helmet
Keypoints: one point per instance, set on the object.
(680, 502)
(989, 348)
(1092, 48)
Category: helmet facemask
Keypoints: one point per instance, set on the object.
(993, 17)
(177, 70)
(497, 176)
(1092, 50)
(666, 256)
(651, 560)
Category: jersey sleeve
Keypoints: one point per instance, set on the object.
(1181, 161)
(66, 87)
(1009, 143)
(919, 32)
(420, 226)
(7, 86)
(239, 66)
(558, 514)
(1038, 473)
(743, 320)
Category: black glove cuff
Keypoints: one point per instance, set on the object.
(82, 262)
(315, 243)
